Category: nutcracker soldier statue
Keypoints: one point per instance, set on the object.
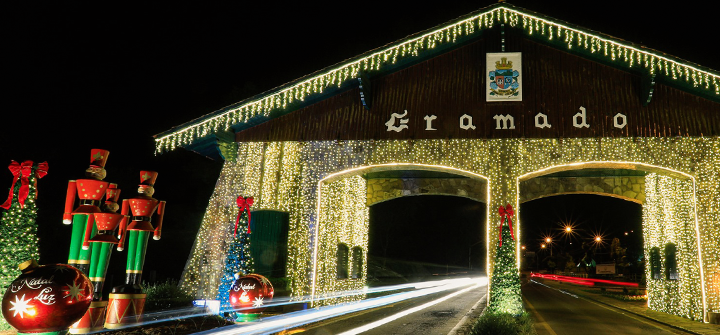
(127, 301)
(104, 238)
(101, 245)
(90, 191)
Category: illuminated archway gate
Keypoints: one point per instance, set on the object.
(501, 92)
(286, 176)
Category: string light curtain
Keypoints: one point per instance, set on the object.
(300, 190)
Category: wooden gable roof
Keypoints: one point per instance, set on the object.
(567, 67)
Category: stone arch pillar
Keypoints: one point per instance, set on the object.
(631, 188)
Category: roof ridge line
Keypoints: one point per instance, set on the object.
(337, 74)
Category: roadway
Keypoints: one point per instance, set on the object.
(557, 313)
(424, 316)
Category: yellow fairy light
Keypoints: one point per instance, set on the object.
(320, 187)
(376, 60)
(668, 212)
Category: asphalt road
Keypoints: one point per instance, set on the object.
(440, 318)
(557, 313)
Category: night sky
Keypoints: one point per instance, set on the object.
(78, 76)
(589, 216)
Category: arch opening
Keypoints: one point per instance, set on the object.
(562, 234)
(343, 215)
(673, 275)
(416, 238)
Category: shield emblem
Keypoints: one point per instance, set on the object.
(500, 81)
(504, 79)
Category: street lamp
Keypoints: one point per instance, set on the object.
(568, 235)
(549, 241)
(599, 243)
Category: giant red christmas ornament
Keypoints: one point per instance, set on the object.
(250, 291)
(46, 299)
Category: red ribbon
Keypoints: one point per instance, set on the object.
(40, 171)
(22, 172)
(243, 203)
(506, 211)
(25, 171)
(15, 169)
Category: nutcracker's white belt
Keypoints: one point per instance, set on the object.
(90, 202)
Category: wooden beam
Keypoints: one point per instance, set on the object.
(648, 87)
(219, 145)
(365, 92)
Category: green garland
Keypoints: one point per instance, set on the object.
(18, 237)
(505, 282)
(238, 261)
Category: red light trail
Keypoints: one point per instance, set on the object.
(582, 281)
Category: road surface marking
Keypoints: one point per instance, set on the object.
(631, 315)
(407, 312)
(466, 317)
(542, 321)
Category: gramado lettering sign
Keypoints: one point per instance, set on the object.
(399, 122)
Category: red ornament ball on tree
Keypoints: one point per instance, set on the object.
(251, 291)
(46, 298)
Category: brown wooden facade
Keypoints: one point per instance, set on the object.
(555, 83)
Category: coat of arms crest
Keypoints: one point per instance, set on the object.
(504, 81)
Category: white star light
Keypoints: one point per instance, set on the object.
(21, 306)
(73, 291)
(258, 302)
(62, 269)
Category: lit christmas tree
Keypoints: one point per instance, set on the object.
(505, 285)
(238, 258)
(18, 230)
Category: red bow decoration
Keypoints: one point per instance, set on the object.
(506, 211)
(22, 172)
(243, 203)
(41, 170)
(15, 170)
(25, 171)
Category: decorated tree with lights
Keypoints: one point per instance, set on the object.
(238, 259)
(18, 230)
(505, 285)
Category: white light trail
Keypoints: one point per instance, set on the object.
(295, 319)
(183, 313)
(396, 316)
